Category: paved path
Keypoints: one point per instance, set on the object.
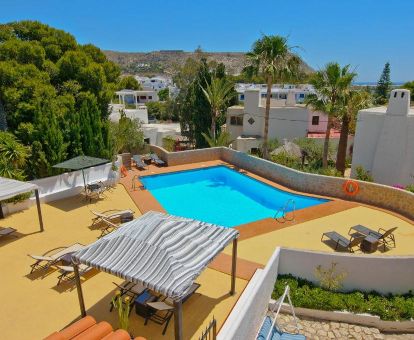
(318, 330)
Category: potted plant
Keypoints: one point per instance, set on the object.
(123, 306)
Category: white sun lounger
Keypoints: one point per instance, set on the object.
(53, 258)
(109, 215)
(66, 271)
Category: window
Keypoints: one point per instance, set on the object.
(149, 97)
(236, 120)
(301, 95)
(251, 121)
(282, 96)
(242, 97)
(315, 120)
(142, 97)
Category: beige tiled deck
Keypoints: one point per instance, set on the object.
(33, 306)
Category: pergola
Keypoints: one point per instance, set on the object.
(81, 163)
(162, 252)
(11, 187)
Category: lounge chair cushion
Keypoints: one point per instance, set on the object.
(159, 305)
(55, 336)
(119, 334)
(96, 332)
(78, 327)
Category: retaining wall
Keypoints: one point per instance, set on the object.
(382, 196)
(384, 274)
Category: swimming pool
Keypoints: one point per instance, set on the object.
(220, 195)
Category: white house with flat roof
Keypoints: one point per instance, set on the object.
(136, 97)
(287, 120)
(279, 92)
(384, 141)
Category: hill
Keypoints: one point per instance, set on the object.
(164, 62)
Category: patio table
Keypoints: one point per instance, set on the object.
(369, 244)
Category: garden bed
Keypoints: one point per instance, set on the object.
(308, 295)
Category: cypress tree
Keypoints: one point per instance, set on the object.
(3, 118)
(383, 88)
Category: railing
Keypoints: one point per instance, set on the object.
(284, 210)
(210, 332)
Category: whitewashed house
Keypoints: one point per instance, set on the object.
(287, 120)
(384, 141)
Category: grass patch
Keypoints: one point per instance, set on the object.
(306, 294)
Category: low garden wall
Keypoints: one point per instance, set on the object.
(384, 274)
(382, 196)
(66, 185)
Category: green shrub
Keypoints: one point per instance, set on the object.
(410, 188)
(363, 175)
(306, 294)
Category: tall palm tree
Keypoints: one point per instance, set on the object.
(331, 84)
(218, 92)
(352, 103)
(273, 58)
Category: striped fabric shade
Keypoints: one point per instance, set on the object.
(11, 187)
(164, 253)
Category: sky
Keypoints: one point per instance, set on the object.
(363, 33)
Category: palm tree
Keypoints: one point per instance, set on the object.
(222, 139)
(273, 58)
(331, 84)
(13, 156)
(352, 103)
(218, 92)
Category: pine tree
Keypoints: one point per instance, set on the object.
(383, 88)
(3, 118)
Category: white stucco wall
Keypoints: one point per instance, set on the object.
(384, 141)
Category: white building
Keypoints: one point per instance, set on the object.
(155, 133)
(384, 141)
(134, 97)
(287, 120)
(300, 92)
(140, 113)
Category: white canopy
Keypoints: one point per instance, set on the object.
(11, 187)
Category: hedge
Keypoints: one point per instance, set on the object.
(308, 295)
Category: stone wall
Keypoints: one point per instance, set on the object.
(399, 201)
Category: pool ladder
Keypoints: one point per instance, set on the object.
(284, 209)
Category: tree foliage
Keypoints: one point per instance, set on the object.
(383, 89)
(127, 135)
(129, 83)
(164, 94)
(192, 106)
(54, 94)
(273, 59)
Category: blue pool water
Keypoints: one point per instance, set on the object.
(220, 195)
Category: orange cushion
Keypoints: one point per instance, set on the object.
(119, 334)
(96, 332)
(78, 327)
(55, 336)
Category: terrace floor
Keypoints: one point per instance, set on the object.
(34, 307)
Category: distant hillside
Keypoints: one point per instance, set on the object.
(160, 62)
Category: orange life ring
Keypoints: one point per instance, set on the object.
(124, 171)
(350, 187)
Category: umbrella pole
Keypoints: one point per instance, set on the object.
(84, 180)
(233, 268)
(79, 289)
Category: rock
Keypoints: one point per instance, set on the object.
(331, 335)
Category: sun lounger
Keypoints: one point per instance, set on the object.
(109, 215)
(66, 272)
(108, 227)
(45, 261)
(385, 237)
(341, 241)
(7, 231)
(138, 162)
(156, 160)
(162, 311)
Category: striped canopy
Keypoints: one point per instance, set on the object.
(11, 187)
(164, 253)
